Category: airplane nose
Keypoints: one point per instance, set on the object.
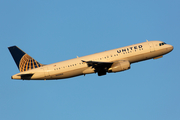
(171, 48)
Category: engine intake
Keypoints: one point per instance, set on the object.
(119, 66)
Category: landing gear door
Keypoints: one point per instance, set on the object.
(151, 46)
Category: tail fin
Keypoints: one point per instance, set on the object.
(23, 61)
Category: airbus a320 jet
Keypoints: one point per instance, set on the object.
(111, 61)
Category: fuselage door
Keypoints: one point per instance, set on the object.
(46, 72)
(151, 46)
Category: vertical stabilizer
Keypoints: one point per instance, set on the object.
(23, 61)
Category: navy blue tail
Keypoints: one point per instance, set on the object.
(17, 54)
(23, 61)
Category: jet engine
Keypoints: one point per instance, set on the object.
(119, 66)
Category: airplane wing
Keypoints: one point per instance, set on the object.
(96, 63)
(100, 67)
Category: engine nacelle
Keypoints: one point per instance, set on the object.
(119, 66)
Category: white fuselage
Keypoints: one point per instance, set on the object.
(75, 67)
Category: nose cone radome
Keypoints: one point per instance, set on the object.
(170, 48)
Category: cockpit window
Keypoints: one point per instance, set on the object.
(160, 44)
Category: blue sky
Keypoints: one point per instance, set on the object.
(53, 31)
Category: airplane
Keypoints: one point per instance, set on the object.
(111, 61)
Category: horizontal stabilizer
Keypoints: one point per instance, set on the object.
(26, 76)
